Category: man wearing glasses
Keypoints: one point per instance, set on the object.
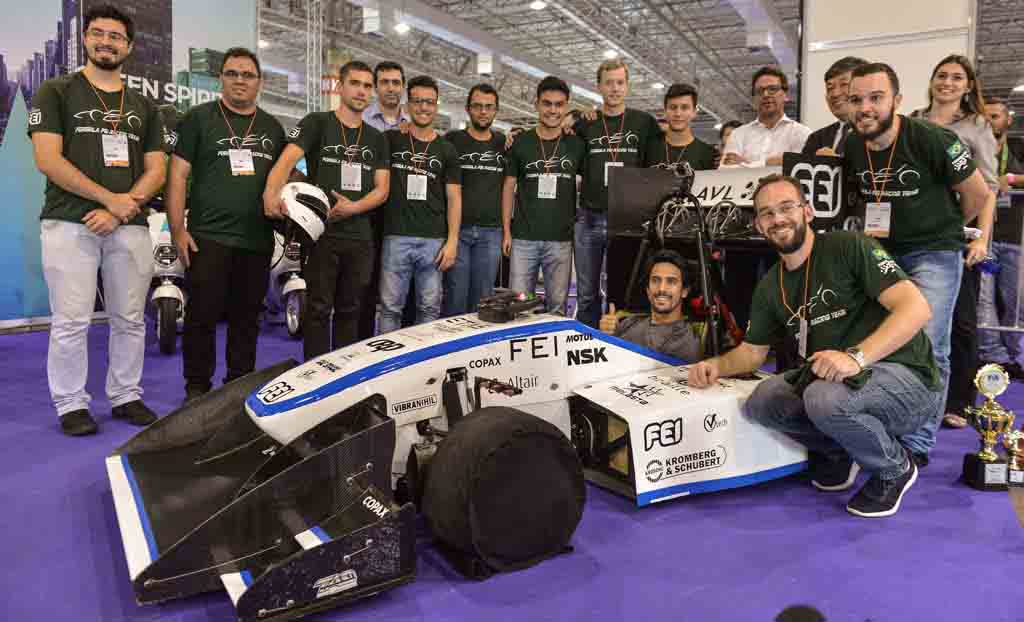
(482, 160)
(869, 375)
(763, 141)
(228, 147)
(423, 211)
(101, 149)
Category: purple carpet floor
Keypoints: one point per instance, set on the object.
(950, 553)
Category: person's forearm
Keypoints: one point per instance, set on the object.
(276, 180)
(507, 198)
(738, 361)
(66, 175)
(175, 201)
(895, 331)
(972, 204)
(371, 201)
(454, 214)
(152, 180)
(986, 217)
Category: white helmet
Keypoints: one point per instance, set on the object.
(307, 212)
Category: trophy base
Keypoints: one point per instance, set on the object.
(981, 475)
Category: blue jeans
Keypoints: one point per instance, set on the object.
(472, 276)
(404, 258)
(1000, 346)
(591, 244)
(937, 274)
(555, 258)
(830, 417)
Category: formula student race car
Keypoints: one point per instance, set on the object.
(277, 487)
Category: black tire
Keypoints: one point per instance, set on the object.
(167, 324)
(295, 312)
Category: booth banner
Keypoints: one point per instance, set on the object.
(826, 186)
(175, 59)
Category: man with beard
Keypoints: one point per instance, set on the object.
(102, 150)
(387, 112)
(763, 141)
(831, 139)
(423, 211)
(997, 302)
(680, 144)
(348, 160)
(920, 185)
(869, 375)
(481, 158)
(665, 329)
(229, 147)
(540, 182)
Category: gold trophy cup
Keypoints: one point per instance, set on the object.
(1014, 443)
(986, 470)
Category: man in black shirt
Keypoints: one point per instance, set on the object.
(481, 158)
(680, 144)
(831, 139)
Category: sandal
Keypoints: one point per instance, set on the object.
(953, 420)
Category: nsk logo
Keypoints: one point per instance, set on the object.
(546, 346)
(586, 356)
(418, 403)
(665, 433)
(375, 506)
(329, 366)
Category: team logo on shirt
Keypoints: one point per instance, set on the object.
(617, 139)
(904, 175)
(250, 140)
(171, 138)
(35, 116)
(825, 297)
(111, 116)
(885, 262)
(350, 151)
(486, 157)
(564, 163)
(418, 159)
(294, 132)
(960, 155)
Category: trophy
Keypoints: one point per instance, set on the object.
(986, 470)
(1014, 443)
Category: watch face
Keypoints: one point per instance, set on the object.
(992, 380)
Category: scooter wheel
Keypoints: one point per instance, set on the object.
(167, 324)
(294, 311)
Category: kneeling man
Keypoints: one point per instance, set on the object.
(665, 330)
(869, 375)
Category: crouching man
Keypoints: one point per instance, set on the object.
(869, 374)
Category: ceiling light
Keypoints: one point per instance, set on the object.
(264, 44)
(538, 5)
(402, 28)
(1019, 88)
(718, 126)
(610, 54)
(657, 86)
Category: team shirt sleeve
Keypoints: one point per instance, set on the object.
(765, 327)
(46, 114)
(306, 135)
(873, 267)
(452, 170)
(955, 161)
(188, 137)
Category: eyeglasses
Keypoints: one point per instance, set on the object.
(423, 101)
(478, 107)
(115, 37)
(768, 90)
(231, 74)
(784, 209)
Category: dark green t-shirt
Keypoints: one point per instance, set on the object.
(849, 271)
(319, 135)
(544, 219)
(439, 161)
(224, 207)
(623, 138)
(698, 153)
(483, 171)
(928, 162)
(69, 106)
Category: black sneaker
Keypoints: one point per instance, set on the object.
(135, 412)
(921, 460)
(881, 497)
(193, 392)
(78, 423)
(833, 475)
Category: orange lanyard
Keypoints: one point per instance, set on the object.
(412, 147)
(802, 311)
(231, 129)
(547, 167)
(613, 153)
(359, 138)
(888, 167)
(113, 124)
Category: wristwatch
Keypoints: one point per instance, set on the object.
(858, 355)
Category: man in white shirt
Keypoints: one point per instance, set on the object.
(763, 141)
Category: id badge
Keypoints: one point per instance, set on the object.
(241, 162)
(801, 339)
(877, 218)
(547, 186)
(417, 188)
(607, 166)
(351, 176)
(115, 149)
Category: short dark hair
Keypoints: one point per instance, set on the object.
(240, 52)
(845, 64)
(728, 124)
(553, 83)
(681, 89)
(354, 65)
(873, 68)
(665, 256)
(422, 82)
(484, 88)
(387, 65)
(776, 178)
(770, 70)
(107, 11)
(997, 101)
